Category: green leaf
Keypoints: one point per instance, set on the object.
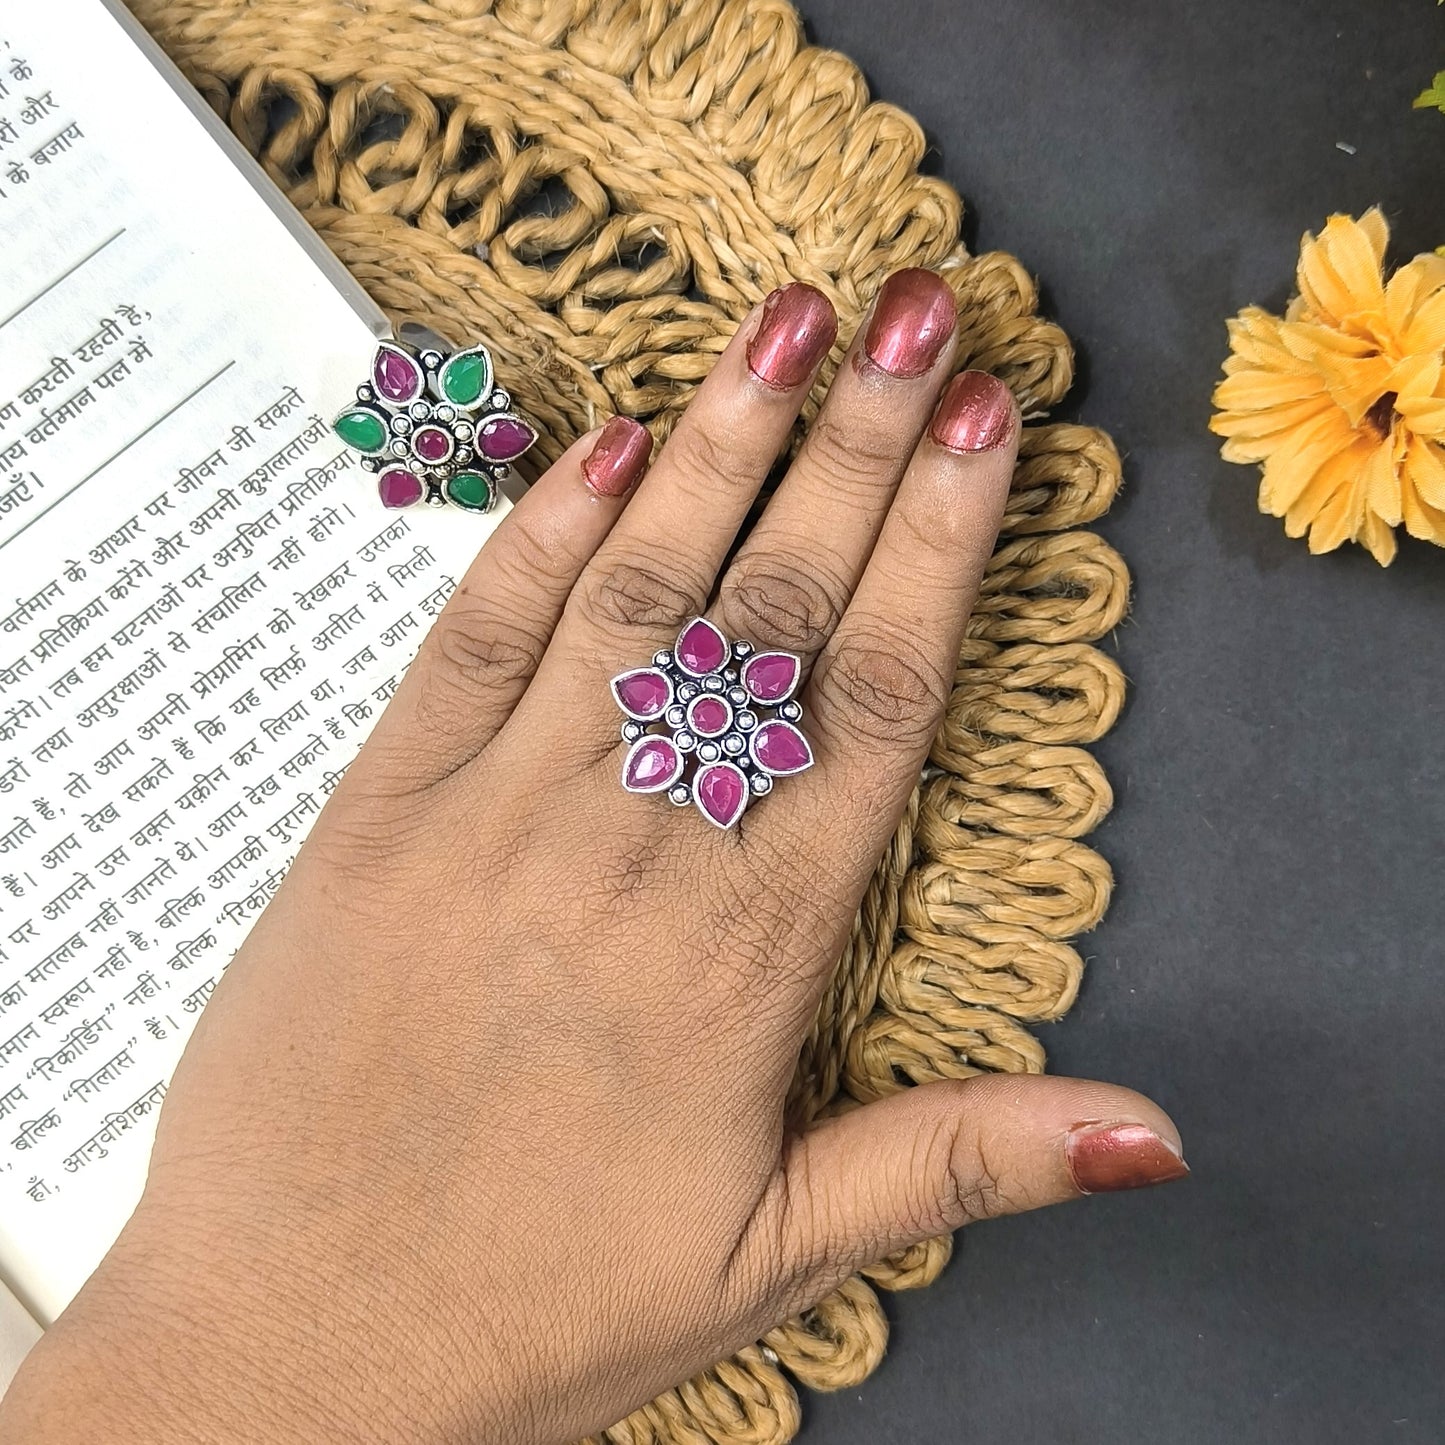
(1434, 98)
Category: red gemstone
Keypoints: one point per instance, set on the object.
(709, 716)
(721, 792)
(652, 765)
(778, 747)
(701, 648)
(771, 676)
(396, 376)
(644, 694)
(431, 444)
(398, 487)
(504, 438)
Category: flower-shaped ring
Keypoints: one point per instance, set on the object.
(434, 427)
(712, 723)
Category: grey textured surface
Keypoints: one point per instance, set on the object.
(1272, 966)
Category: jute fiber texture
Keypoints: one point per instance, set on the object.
(602, 189)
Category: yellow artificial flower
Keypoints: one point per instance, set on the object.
(1342, 400)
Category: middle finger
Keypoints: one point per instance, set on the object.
(793, 576)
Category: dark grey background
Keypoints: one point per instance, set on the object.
(1272, 968)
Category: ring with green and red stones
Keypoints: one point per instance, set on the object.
(712, 723)
(434, 427)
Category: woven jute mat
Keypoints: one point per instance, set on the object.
(602, 189)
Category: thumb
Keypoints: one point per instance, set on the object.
(930, 1159)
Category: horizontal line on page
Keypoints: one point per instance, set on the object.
(70, 271)
(189, 396)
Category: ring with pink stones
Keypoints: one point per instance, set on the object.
(712, 723)
(434, 427)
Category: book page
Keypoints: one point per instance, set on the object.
(18, 1332)
(203, 607)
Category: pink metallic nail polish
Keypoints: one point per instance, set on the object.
(913, 320)
(977, 414)
(1108, 1157)
(618, 458)
(797, 329)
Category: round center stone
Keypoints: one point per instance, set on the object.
(432, 444)
(709, 716)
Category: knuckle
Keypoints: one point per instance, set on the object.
(628, 870)
(776, 603)
(483, 653)
(882, 689)
(633, 593)
(473, 654)
(366, 834)
(975, 1190)
(530, 556)
(852, 461)
(707, 461)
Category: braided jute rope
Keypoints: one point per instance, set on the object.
(602, 189)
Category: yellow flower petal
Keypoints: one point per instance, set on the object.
(1380, 539)
(1336, 522)
(1335, 475)
(1424, 473)
(1297, 459)
(1356, 385)
(1275, 421)
(1308, 340)
(1376, 230)
(1339, 274)
(1422, 519)
(1257, 390)
(1425, 415)
(1415, 376)
(1381, 479)
(1425, 328)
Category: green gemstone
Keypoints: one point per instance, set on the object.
(465, 379)
(363, 430)
(470, 490)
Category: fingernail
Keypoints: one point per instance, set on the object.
(913, 321)
(1108, 1157)
(617, 460)
(797, 329)
(977, 414)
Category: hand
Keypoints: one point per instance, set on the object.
(481, 1136)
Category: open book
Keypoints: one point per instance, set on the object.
(203, 605)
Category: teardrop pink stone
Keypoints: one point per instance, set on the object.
(722, 793)
(653, 764)
(398, 487)
(780, 748)
(644, 695)
(771, 676)
(396, 376)
(701, 648)
(504, 438)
